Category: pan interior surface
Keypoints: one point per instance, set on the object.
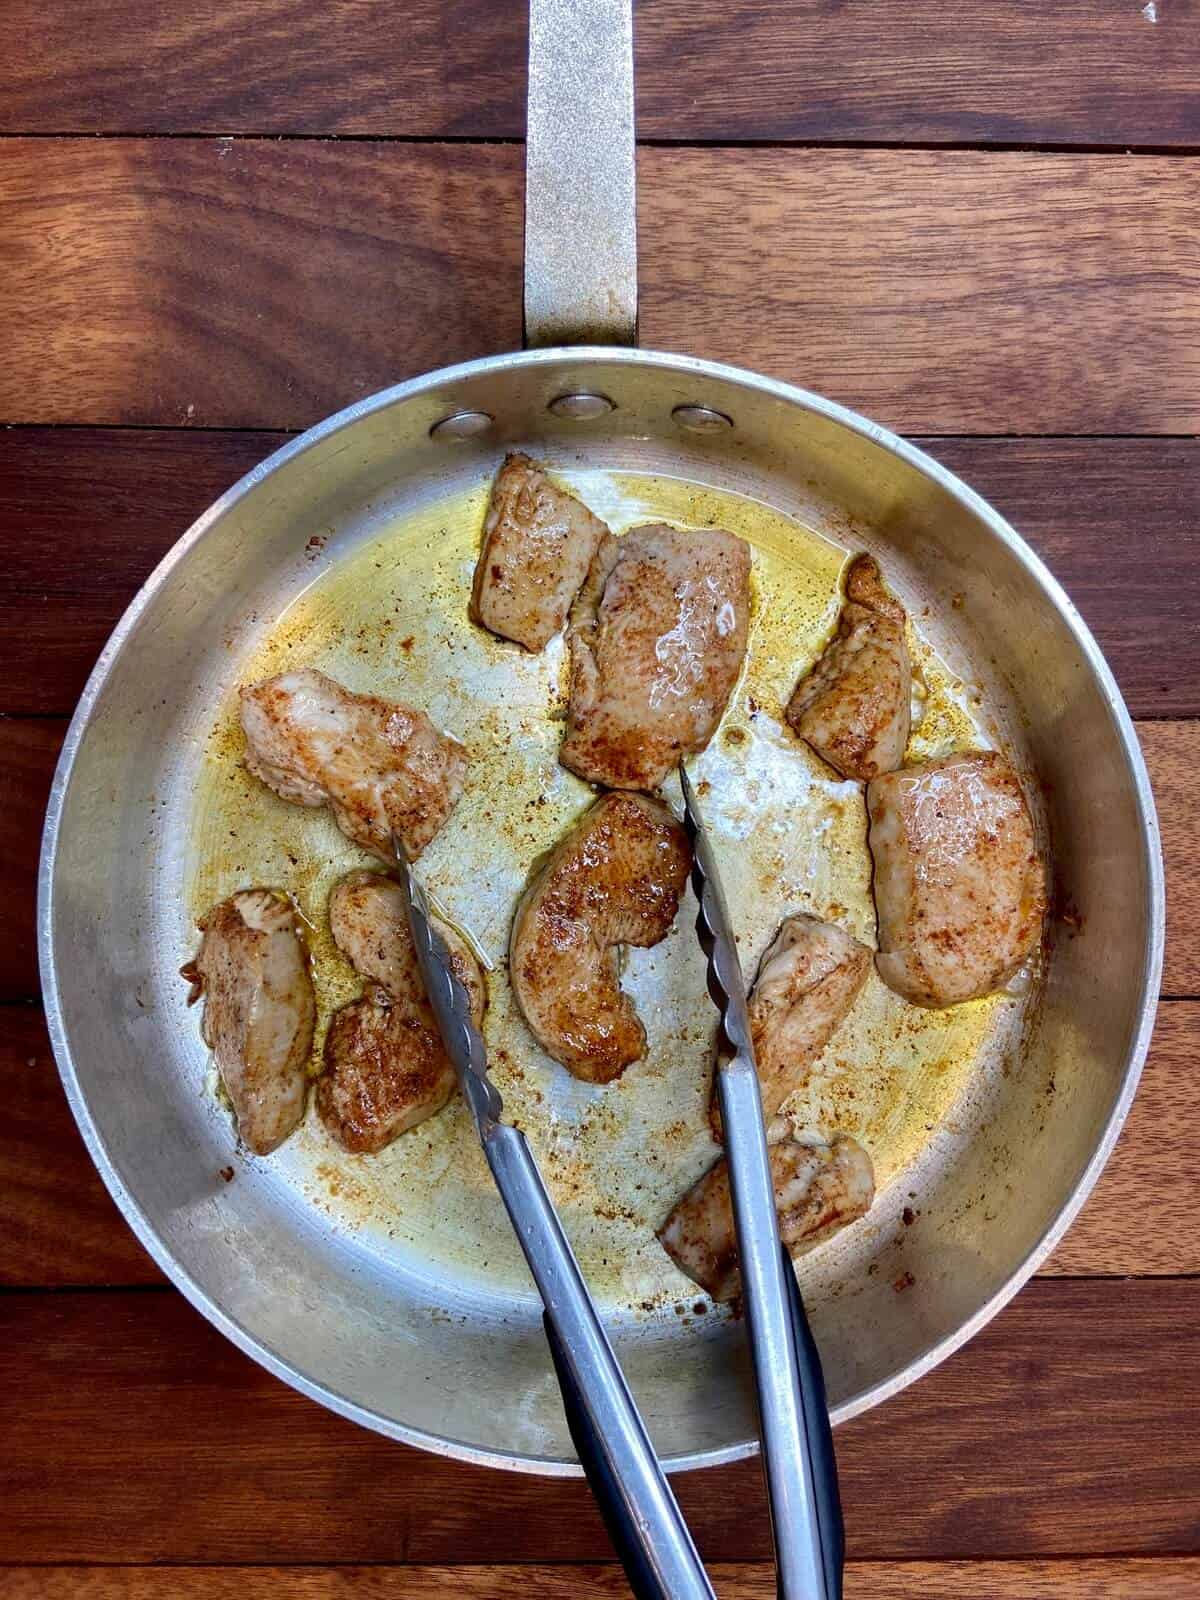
(388, 616)
(391, 1286)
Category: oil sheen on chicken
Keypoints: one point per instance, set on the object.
(808, 979)
(658, 635)
(259, 1011)
(819, 1189)
(379, 766)
(615, 879)
(538, 542)
(853, 708)
(385, 1068)
(959, 884)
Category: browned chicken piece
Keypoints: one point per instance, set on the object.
(807, 981)
(657, 635)
(259, 1010)
(615, 879)
(538, 542)
(959, 885)
(379, 766)
(853, 708)
(819, 1189)
(385, 1067)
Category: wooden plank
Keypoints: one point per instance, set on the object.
(1095, 72)
(29, 749)
(86, 512)
(1118, 523)
(936, 293)
(180, 1449)
(1143, 1216)
(58, 1225)
(28, 753)
(304, 274)
(85, 515)
(1169, 1578)
(1171, 755)
(256, 283)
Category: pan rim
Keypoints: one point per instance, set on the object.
(578, 357)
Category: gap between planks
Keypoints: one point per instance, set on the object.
(1154, 1578)
(517, 141)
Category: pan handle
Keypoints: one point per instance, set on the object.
(580, 180)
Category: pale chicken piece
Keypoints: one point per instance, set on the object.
(959, 885)
(658, 635)
(808, 979)
(615, 879)
(853, 708)
(538, 543)
(370, 927)
(819, 1189)
(379, 766)
(259, 1010)
(385, 1067)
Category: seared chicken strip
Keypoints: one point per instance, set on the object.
(807, 981)
(538, 542)
(615, 879)
(853, 708)
(818, 1190)
(259, 1010)
(959, 886)
(379, 766)
(385, 1068)
(657, 635)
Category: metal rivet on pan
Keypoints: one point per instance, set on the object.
(462, 425)
(701, 419)
(582, 407)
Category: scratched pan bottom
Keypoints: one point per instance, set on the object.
(391, 1286)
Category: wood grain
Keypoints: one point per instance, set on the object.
(1118, 523)
(1095, 72)
(29, 749)
(59, 1228)
(241, 283)
(1174, 1578)
(1144, 1214)
(180, 1449)
(28, 753)
(85, 513)
(257, 283)
(58, 1225)
(1171, 756)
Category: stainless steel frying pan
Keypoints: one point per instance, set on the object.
(374, 1288)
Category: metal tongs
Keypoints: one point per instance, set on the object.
(797, 1438)
(635, 1500)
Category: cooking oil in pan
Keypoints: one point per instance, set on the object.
(391, 618)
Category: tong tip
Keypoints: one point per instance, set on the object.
(685, 783)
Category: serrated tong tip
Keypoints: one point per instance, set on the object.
(714, 929)
(449, 999)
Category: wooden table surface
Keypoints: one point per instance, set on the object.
(976, 221)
